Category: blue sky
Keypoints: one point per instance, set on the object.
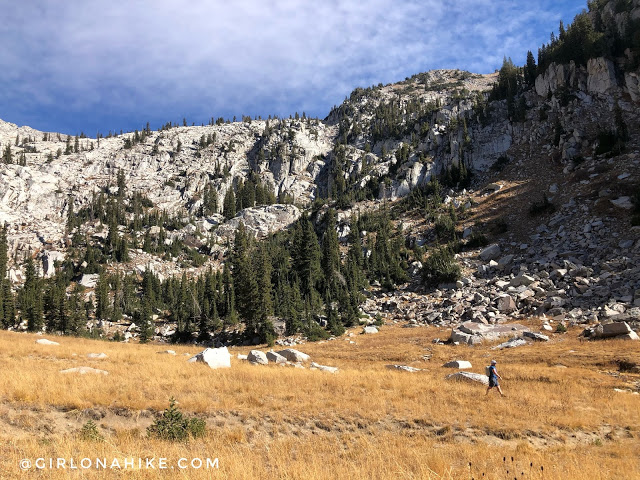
(91, 66)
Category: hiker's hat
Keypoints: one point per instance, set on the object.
(493, 362)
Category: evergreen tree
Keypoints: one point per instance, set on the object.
(102, 298)
(229, 204)
(31, 298)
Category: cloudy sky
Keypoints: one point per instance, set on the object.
(93, 66)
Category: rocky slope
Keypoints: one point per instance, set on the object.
(577, 260)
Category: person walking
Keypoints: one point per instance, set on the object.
(493, 378)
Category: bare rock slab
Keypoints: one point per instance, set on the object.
(44, 341)
(469, 377)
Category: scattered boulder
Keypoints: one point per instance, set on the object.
(460, 364)
(538, 337)
(257, 357)
(97, 356)
(323, 368)
(506, 304)
(241, 356)
(275, 357)
(369, 330)
(473, 333)
(516, 342)
(214, 357)
(469, 377)
(403, 368)
(85, 370)
(168, 352)
(490, 253)
(520, 280)
(294, 356)
(44, 341)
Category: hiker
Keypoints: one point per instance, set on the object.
(493, 378)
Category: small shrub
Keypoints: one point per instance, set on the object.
(476, 240)
(90, 432)
(499, 226)
(445, 227)
(545, 206)
(560, 328)
(441, 267)
(175, 426)
(315, 332)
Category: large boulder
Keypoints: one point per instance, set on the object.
(473, 333)
(506, 304)
(294, 356)
(369, 330)
(275, 357)
(214, 357)
(469, 377)
(490, 253)
(257, 357)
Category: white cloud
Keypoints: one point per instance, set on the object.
(206, 58)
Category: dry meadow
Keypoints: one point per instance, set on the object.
(561, 418)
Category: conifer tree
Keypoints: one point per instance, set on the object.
(31, 298)
(229, 204)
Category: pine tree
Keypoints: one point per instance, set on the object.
(244, 280)
(229, 204)
(31, 299)
(102, 298)
(143, 320)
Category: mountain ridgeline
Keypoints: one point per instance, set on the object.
(242, 231)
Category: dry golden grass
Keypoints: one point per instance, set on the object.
(365, 422)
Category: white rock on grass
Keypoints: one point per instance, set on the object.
(44, 341)
(323, 368)
(214, 357)
(469, 377)
(538, 337)
(85, 370)
(167, 352)
(369, 330)
(97, 356)
(275, 357)
(241, 356)
(257, 357)
(403, 368)
(294, 356)
(460, 364)
(516, 342)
